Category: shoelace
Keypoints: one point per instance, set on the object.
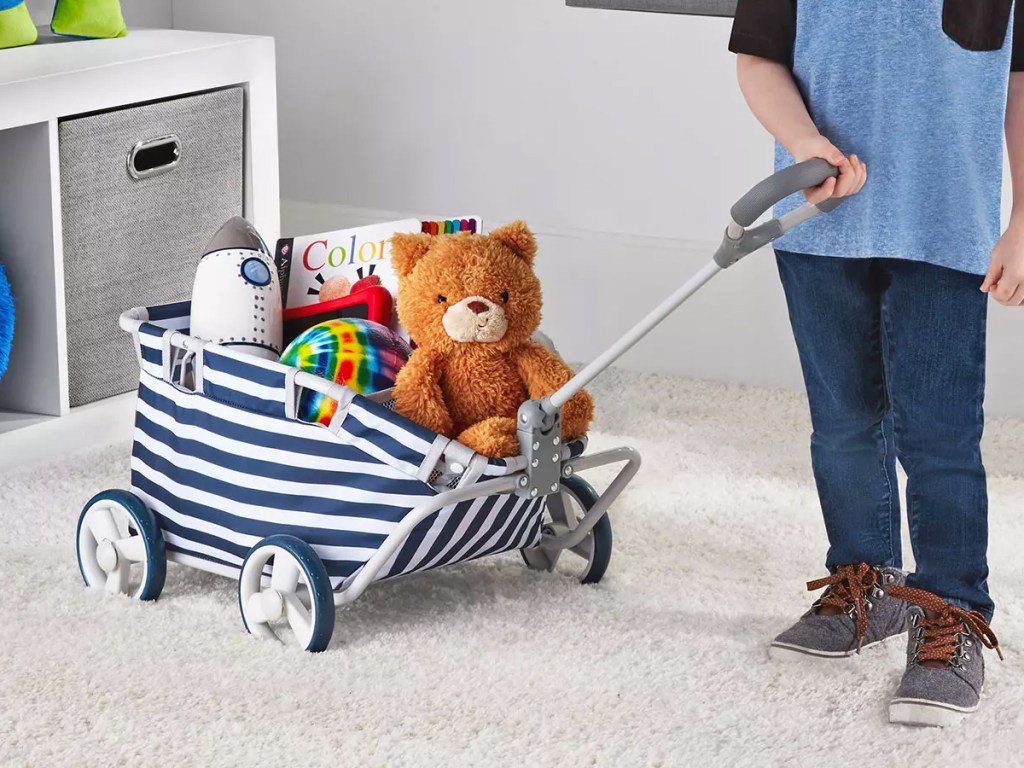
(940, 631)
(849, 585)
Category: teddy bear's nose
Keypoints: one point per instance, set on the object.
(477, 307)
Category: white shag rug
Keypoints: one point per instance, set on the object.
(662, 664)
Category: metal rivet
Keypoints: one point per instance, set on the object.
(535, 462)
(523, 418)
(557, 440)
(533, 492)
(523, 481)
(536, 446)
(554, 487)
(567, 471)
(555, 458)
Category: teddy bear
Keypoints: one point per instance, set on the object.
(471, 303)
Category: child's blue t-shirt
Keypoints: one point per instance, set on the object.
(917, 89)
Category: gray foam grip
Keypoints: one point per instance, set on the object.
(779, 186)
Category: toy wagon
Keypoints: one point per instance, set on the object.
(227, 479)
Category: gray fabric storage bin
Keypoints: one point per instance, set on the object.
(131, 241)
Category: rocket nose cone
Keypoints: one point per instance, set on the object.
(236, 233)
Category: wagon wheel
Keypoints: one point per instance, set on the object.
(589, 559)
(120, 547)
(296, 604)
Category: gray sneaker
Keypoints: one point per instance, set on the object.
(868, 616)
(945, 669)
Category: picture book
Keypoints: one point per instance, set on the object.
(329, 266)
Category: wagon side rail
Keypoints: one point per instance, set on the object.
(625, 455)
(507, 484)
(368, 573)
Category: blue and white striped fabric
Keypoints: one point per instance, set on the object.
(225, 467)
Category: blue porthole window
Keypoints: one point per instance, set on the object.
(256, 272)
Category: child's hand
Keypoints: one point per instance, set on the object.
(1005, 278)
(852, 172)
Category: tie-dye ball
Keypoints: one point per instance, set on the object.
(362, 355)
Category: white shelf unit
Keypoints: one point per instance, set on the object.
(40, 85)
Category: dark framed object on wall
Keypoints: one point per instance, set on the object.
(691, 7)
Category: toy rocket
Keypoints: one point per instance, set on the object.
(236, 297)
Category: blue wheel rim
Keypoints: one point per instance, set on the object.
(585, 495)
(145, 523)
(602, 532)
(316, 578)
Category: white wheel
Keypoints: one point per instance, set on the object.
(295, 605)
(120, 548)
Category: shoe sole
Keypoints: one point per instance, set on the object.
(790, 653)
(926, 714)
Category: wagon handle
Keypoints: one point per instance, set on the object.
(737, 243)
(781, 185)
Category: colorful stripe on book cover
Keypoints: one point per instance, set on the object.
(453, 226)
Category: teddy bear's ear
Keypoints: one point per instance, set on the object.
(407, 250)
(519, 238)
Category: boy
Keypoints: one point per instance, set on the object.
(887, 298)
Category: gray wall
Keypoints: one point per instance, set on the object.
(599, 122)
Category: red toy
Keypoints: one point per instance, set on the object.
(373, 303)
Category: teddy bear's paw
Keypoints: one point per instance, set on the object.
(574, 429)
(577, 415)
(495, 437)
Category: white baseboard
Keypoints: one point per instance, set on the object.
(597, 284)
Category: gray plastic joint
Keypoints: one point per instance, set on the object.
(540, 441)
(733, 249)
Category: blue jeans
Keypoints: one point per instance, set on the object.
(893, 357)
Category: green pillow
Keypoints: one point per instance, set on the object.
(16, 27)
(88, 18)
